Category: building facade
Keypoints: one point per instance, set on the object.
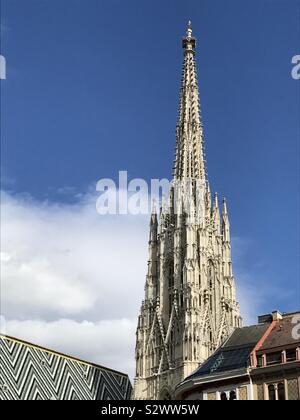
(190, 302)
(31, 372)
(275, 361)
(260, 362)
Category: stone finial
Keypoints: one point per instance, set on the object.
(189, 31)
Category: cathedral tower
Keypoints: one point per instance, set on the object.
(190, 302)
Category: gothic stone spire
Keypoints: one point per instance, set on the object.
(189, 159)
(190, 305)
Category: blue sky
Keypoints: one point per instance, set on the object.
(92, 88)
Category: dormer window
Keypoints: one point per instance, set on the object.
(291, 355)
(274, 358)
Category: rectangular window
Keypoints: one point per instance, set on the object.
(274, 358)
(291, 355)
(281, 392)
(272, 393)
(259, 361)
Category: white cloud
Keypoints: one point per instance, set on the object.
(65, 261)
(60, 260)
(249, 297)
(34, 284)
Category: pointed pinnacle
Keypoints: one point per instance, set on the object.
(216, 201)
(224, 206)
(189, 29)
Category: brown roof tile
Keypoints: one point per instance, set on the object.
(281, 335)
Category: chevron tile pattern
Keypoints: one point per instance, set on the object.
(28, 372)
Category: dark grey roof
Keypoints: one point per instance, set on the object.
(235, 352)
(246, 335)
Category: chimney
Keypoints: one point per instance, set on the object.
(277, 316)
(268, 318)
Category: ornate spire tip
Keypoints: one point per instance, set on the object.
(189, 29)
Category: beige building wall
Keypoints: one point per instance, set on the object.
(291, 382)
